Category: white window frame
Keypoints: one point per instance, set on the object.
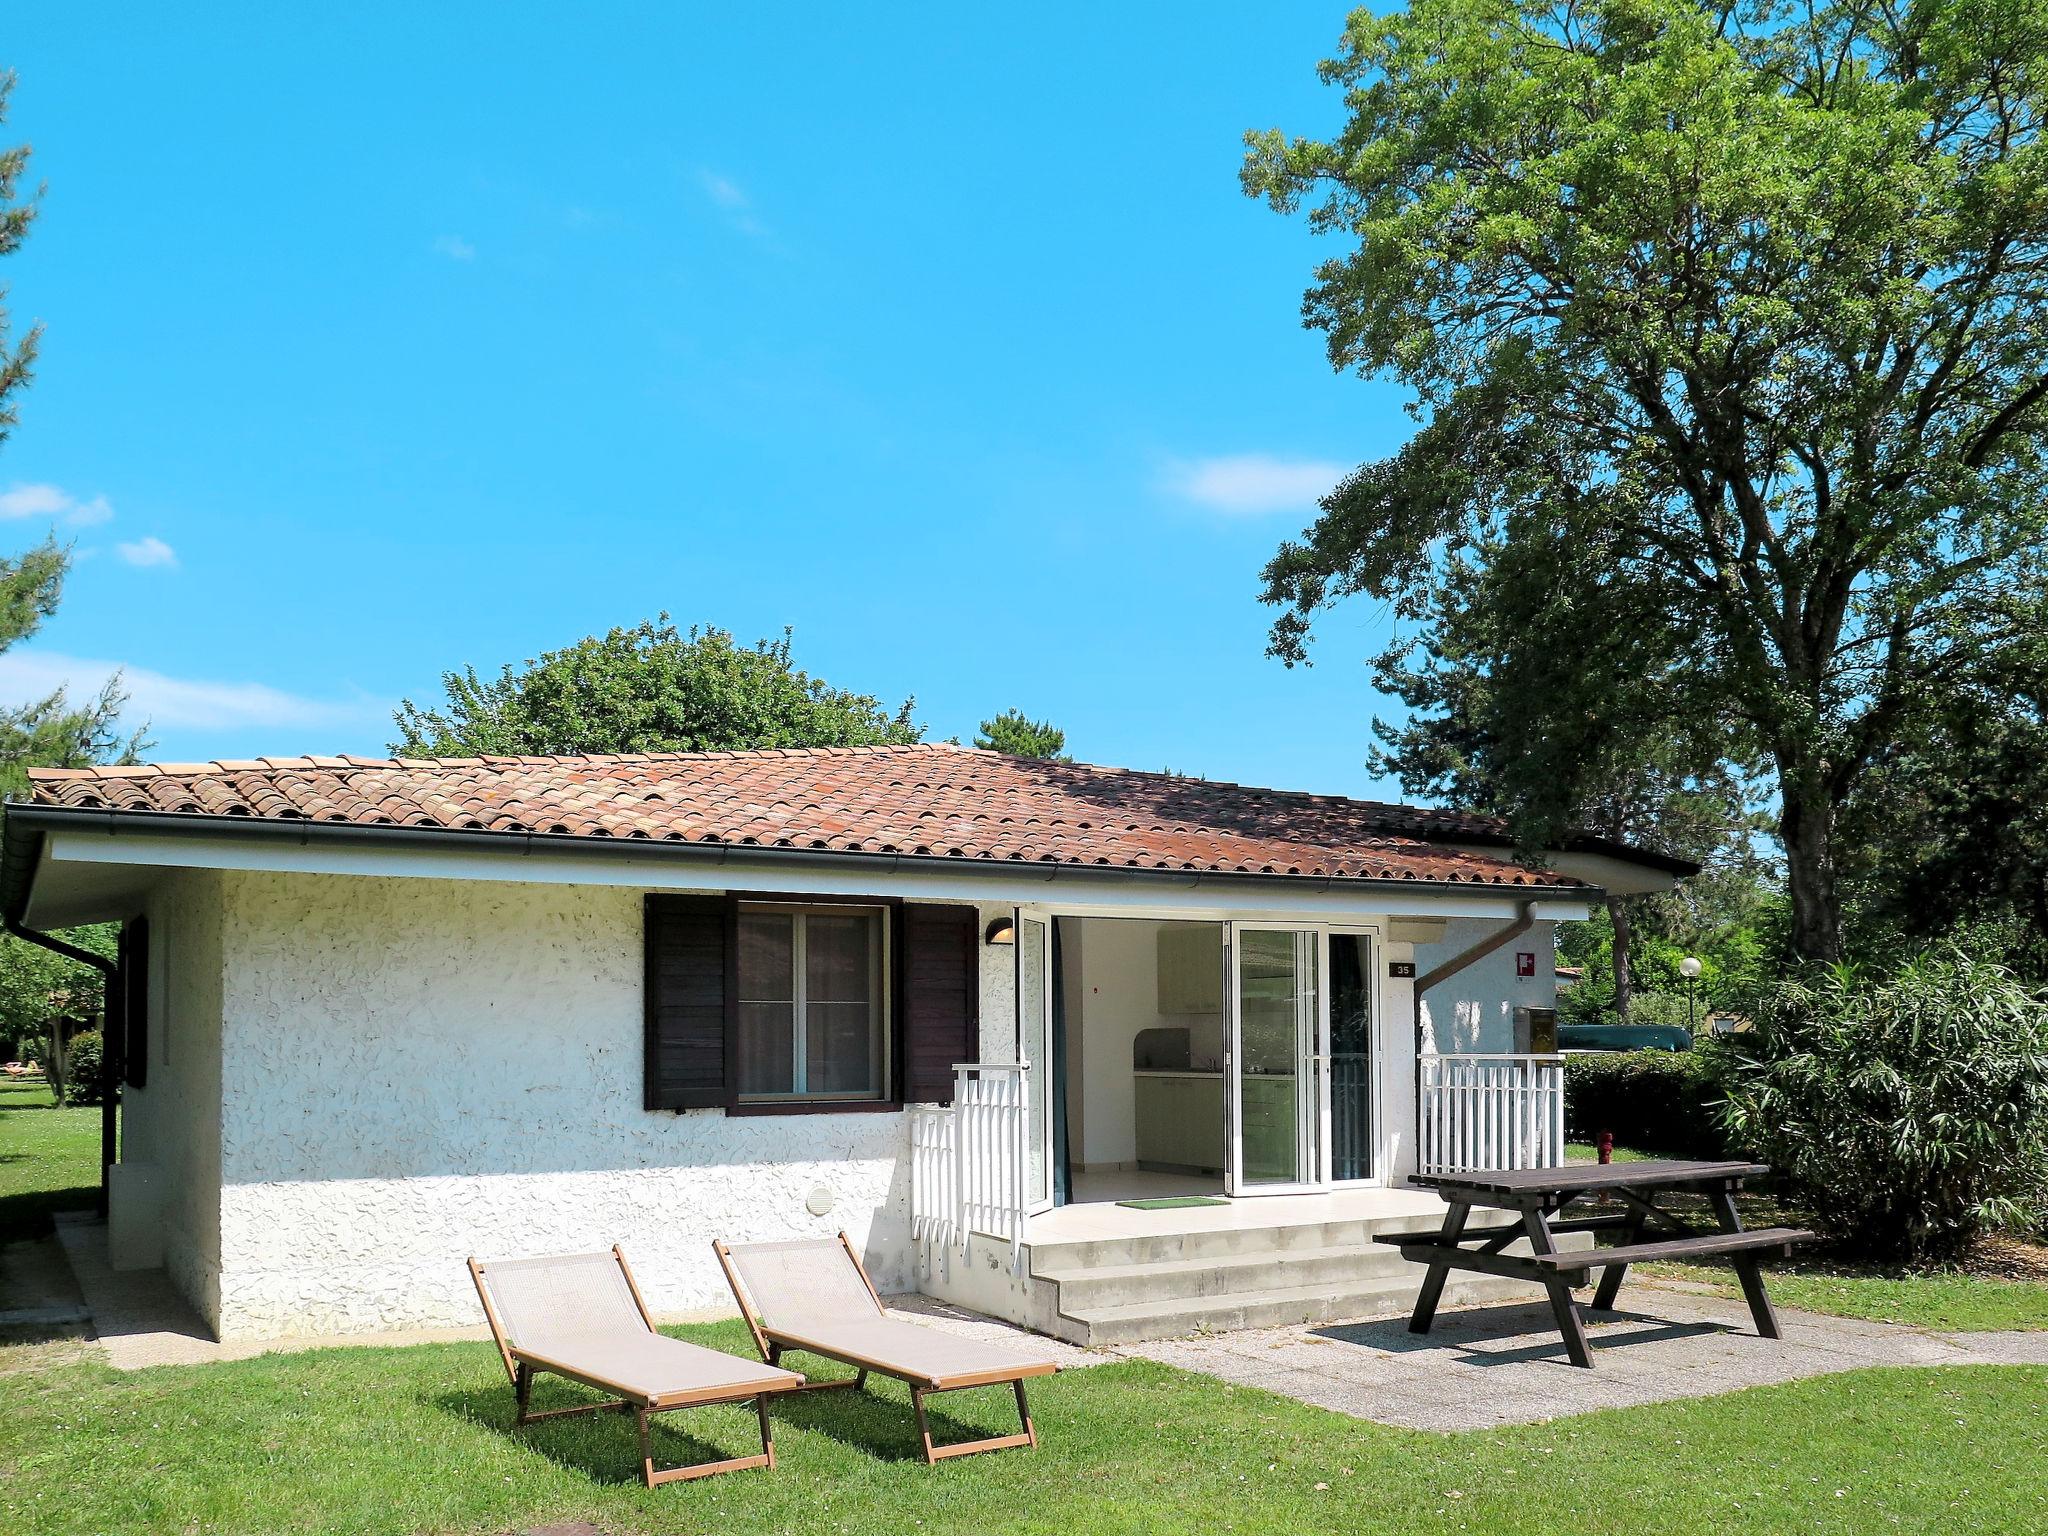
(799, 913)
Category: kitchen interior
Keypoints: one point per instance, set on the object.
(1144, 1018)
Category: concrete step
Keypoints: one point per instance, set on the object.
(1335, 1267)
(1281, 1307)
(1227, 1242)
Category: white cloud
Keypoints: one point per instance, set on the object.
(1252, 484)
(176, 702)
(148, 550)
(721, 190)
(53, 501)
(454, 247)
(732, 197)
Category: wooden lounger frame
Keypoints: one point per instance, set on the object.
(523, 1365)
(772, 1344)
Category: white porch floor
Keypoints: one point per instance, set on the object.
(1095, 1215)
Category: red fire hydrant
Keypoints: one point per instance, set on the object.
(1606, 1145)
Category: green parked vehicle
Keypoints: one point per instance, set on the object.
(1623, 1037)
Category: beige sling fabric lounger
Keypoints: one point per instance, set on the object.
(580, 1315)
(815, 1296)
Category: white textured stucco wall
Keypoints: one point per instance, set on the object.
(1474, 1011)
(357, 1082)
(166, 1190)
(998, 993)
(419, 1070)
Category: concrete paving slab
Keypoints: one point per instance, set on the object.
(1488, 1366)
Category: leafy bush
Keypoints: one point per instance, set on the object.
(1653, 1101)
(1910, 1111)
(1663, 1008)
(82, 1061)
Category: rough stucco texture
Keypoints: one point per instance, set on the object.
(1474, 1011)
(171, 1128)
(420, 1070)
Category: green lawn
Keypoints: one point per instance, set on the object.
(49, 1158)
(1819, 1282)
(395, 1442)
(408, 1441)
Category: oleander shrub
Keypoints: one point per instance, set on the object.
(1653, 1101)
(83, 1058)
(1908, 1111)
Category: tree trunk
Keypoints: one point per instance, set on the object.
(1617, 914)
(1806, 829)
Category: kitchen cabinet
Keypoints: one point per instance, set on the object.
(1180, 1121)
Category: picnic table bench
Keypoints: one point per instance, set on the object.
(1541, 1197)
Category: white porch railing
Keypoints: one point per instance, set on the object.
(1491, 1112)
(970, 1164)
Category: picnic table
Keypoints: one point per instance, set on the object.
(1647, 1231)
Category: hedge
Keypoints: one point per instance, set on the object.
(1652, 1101)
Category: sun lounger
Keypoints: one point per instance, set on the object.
(815, 1296)
(580, 1315)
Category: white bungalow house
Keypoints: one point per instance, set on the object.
(384, 1014)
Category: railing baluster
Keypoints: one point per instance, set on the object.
(1482, 1112)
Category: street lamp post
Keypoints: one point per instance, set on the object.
(1689, 968)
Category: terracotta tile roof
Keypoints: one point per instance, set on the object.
(929, 800)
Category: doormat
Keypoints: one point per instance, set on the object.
(1171, 1203)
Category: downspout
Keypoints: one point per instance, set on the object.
(1524, 920)
(113, 1042)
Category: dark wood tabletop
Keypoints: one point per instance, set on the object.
(1651, 1173)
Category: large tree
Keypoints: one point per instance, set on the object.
(648, 689)
(1951, 826)
(1733, 314)
(1613, 760)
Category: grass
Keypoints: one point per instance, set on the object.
(1943, 1299)
(398, 1442)
(390, 1442)
(49, 1158)
(1956, 1300)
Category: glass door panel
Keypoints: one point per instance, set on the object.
(1351, 1059)
(1034, 1048)
(1273, 1078)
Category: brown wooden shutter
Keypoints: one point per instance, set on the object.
(133, 956)
(941, 971)
(687, 942)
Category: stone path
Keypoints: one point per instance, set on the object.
(1482, 1367)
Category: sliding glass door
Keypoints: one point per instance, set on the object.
(1354, 1096)
(1034, 1049)
(1274, 1084)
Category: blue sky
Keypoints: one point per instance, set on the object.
(385, 340)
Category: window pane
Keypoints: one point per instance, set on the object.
(838, 956)
(767, 1048)
(768, 958)
(843, 1048)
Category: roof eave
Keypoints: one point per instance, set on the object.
(28, 824)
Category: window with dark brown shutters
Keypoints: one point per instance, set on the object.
(689, 943)
(941, 970)
(862, 1021)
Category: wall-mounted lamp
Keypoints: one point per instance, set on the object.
(1002, 931)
